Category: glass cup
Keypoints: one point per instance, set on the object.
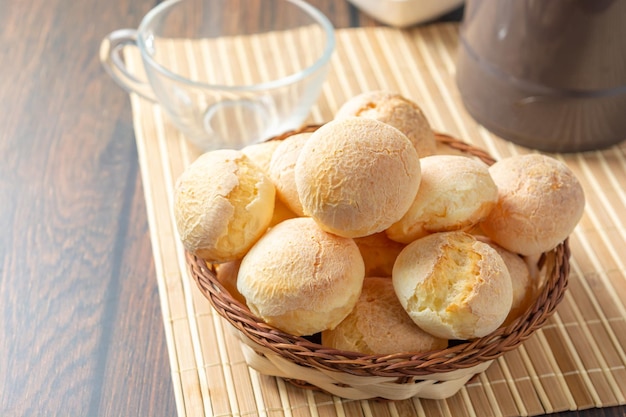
(228, 73)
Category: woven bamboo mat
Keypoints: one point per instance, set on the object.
(576, 361)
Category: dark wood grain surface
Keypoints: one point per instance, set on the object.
(81, 330)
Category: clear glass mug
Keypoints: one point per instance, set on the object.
(227, 73)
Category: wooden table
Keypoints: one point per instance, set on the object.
(81, 331)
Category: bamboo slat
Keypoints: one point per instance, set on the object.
(576, 361)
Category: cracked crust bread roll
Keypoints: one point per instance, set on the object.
(223, 203)
(456, 192)
(540, 202)
(453, 286)
(281, 213)
(301, 279)
(356, 176)
(398, 111)
(282, 167)
(522, 282)
(379, 325)
(261, 154)
(379, 254)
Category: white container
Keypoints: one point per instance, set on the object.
(404, 13)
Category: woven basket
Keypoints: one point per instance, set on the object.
(433, 375)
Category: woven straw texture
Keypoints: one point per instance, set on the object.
(576, 360)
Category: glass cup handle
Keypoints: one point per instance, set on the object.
(111, 58)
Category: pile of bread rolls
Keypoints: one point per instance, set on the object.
(367, 232)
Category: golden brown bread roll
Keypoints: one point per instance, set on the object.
(357, 176)
(453, 286)
(281, 212)
(301, 279)
(523, 284)
(456, 192)
(379, 325)
(223, 203)
(261, 153)
(379, 254)
(281, 170)
(396, 110)
(540, 201)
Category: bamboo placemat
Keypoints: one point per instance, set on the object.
(576, 361)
